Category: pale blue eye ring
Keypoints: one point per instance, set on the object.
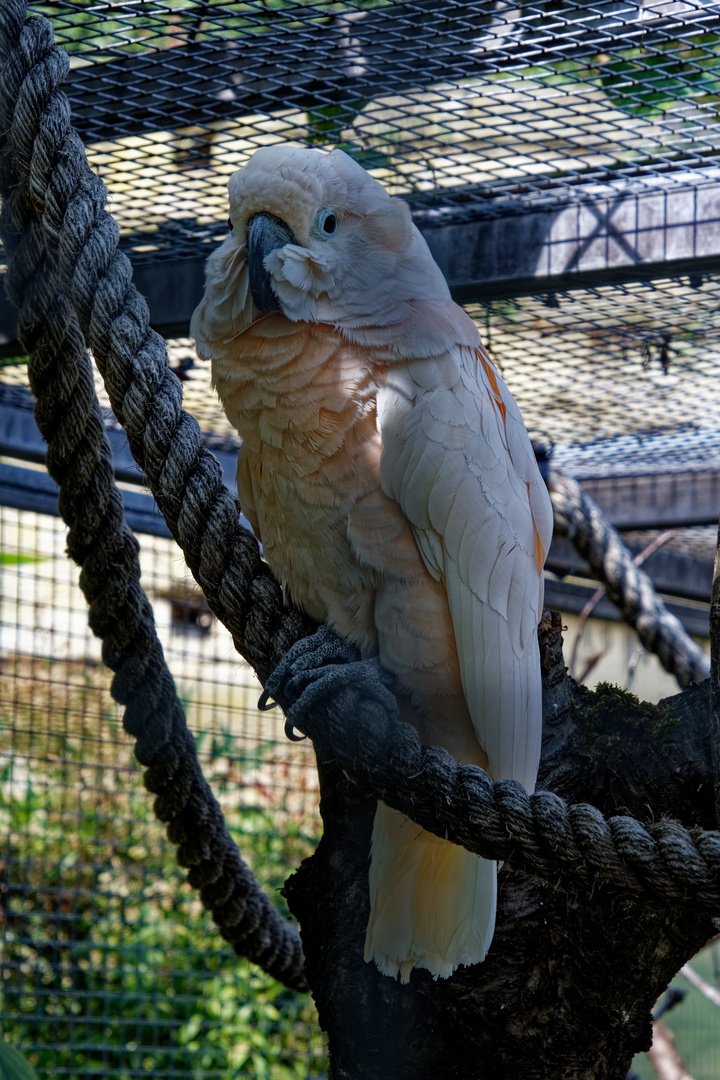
(326, 223)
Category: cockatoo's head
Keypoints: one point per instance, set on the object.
(315, 237)
(324, 240)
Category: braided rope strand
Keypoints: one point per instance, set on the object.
(99, 540)
(321, 682)
(627, 585)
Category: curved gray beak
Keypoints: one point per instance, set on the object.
(265, 233)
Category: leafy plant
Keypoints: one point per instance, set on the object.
(13, 1065)
(110, 967)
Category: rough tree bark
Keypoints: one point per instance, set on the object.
(568, 986)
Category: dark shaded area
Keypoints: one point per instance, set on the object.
(570, 980)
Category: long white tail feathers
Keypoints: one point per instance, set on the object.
(432, 903)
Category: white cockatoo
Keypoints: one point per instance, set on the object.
(387, 471)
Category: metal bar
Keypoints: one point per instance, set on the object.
(654, 501)
(657, 501)
(21, 439)
(35, 490)
(671, 226)
(666, 226)
(673, 573)
(572, 597)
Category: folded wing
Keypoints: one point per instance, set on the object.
(458, 460)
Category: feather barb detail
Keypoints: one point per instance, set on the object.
(491, 376)
(540, 551)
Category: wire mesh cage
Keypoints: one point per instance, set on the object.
(109, 966)
(563, 162)
(449, 106)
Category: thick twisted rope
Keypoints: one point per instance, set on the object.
(99, 540)
(321, 682)
(166, 442)
(627, 585)
(146, 397)
(541, 834)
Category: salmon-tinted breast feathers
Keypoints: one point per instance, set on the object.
(388, 471)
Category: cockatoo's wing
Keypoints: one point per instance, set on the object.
(458, 460)
(397, 493)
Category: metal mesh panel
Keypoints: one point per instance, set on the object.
(109, 966)
(620, 378)
(562, 161)
(448, 105)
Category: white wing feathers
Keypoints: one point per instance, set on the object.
(459, 462)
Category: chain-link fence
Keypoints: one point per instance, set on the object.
(563, 161)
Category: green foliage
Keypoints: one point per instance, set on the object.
(693, 1023)
(327, 123)
(649, 82)
(13, 558)
(13, 1065)
(87, 26)
(110, 966)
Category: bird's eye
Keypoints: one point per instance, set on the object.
(327, 223)
(230, 224)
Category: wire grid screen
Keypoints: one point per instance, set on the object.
(109, 966)
(471, 109)
(692, 1019)
(616, 376)
(468, 110)
(464, 106)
